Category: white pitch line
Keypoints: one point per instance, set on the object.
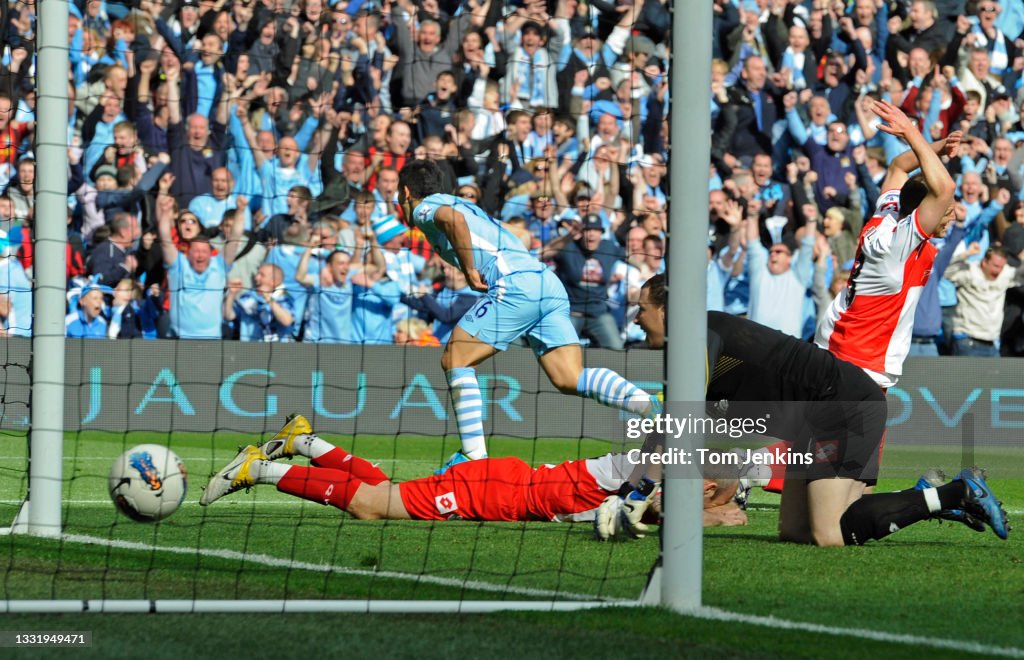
(280, 502)
(707, 613)
(715, 614)
(267, 560)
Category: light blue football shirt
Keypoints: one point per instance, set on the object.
(497, 252)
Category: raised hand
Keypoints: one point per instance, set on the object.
(733, 213)
(952, 147)
(896, 121)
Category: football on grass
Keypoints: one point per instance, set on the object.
(148, 483)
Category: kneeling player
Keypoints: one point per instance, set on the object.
(838, 414)
(492, 489)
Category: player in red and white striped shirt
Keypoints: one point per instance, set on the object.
(870, 322)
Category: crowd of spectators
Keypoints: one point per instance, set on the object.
(235, 163)
(797, 157)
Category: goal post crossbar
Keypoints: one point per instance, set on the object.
(285, 606)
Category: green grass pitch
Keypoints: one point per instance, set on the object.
(932, 581)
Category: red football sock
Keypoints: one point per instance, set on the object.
(360, 468)
(778, 469)
(320, 485)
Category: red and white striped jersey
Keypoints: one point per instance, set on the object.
(870, 322)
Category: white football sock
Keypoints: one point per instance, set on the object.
(268, 472)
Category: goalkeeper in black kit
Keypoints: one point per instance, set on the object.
(831, 410)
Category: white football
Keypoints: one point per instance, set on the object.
(148, 483)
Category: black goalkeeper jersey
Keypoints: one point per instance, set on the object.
(750, 362)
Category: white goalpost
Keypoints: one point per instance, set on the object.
(674, 584)
(686, 331)
(40, 515)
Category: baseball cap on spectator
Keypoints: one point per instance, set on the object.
(521, 176)
(640, 44)
(1013, 243)
(95, 286)
(387, 228)
(593, 222)
(588, 31)
(105, 170)
(188, 3)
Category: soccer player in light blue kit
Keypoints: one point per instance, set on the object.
(521, 297)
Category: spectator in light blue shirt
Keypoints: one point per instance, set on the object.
(196, 279)
(329, 310)
(88, 322)
(778, 284)
(265, 312)
(375, 298)
(15, 294)
(210, 208)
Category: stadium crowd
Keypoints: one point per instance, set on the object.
(235, 163)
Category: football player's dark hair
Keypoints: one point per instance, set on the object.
(658, 293)
(912, 194)
(422, 178)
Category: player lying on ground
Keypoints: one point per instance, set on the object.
(521, 298)
(831, 409)
(491, 489)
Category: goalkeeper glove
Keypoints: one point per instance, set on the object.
(623, 512)
(607, 520)
(634, 506)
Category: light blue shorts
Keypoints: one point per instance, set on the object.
(531, 304)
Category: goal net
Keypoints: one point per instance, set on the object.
(268, 132)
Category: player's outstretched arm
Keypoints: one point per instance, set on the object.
(940, 185)
(455, 228)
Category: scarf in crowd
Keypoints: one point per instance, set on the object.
(531, 74)
(590, 61)
(998, 59)
(795, 63)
